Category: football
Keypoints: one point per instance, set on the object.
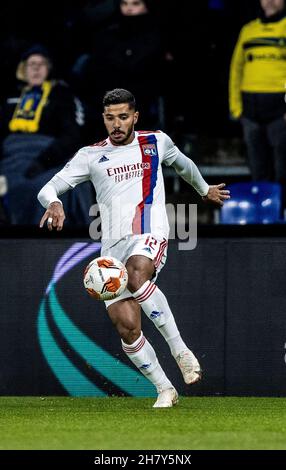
(105, 278)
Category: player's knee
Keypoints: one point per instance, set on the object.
(140, 269)
(136, 281)
(129, 336)
(128, 328)
(137, 277)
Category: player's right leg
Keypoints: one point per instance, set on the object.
(126, 317)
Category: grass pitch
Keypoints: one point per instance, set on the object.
(132, 423)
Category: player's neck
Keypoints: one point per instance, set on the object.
(130, 139)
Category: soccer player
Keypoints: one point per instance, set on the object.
(126, 172)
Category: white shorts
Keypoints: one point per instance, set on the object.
(146, 245)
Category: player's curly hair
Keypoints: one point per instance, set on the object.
(118, 96)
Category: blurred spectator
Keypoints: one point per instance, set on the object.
(257, 90)
(40, 131)
(127, 51)
(3, 193)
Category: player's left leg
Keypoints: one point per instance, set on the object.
(155, 306)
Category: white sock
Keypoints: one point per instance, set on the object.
(156, 307)
(144, 357)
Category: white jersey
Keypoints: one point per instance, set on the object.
(129, 183)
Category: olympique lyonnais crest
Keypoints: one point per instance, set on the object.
(149, 149)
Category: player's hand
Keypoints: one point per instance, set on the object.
(54, 215)
(217, 194)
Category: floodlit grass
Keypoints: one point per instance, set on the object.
(132, 423)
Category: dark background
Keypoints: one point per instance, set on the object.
(228, 297)
(200, 35)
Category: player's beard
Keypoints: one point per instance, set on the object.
(123, 138)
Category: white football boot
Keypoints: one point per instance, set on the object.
(167, 398)
(189, 366)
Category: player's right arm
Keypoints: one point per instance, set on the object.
(75, 171)
(48, 197)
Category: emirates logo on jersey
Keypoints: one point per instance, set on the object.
(128, 168)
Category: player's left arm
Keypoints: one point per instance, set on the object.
(189, 171)
(217, 194)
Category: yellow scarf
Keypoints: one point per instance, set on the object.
(28, 112)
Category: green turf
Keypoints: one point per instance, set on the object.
(131, 423)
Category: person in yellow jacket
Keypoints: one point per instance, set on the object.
(257, 89)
